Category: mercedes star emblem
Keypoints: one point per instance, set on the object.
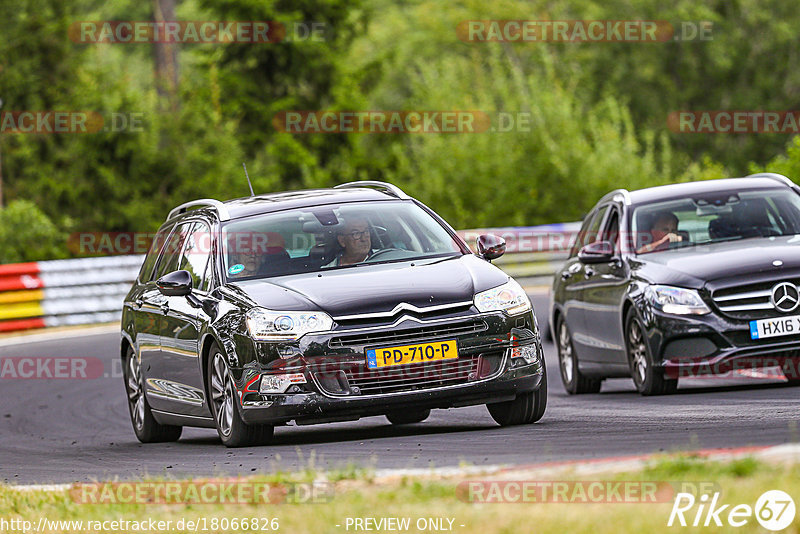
(785, 297)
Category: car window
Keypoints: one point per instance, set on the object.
(331, 237)
(587, 222)
(590, 230)
(146, 272)
(170, 256)
(721, 216)
(610, 231)
(196, 252)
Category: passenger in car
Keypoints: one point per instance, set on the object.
(260, 254)
(251, 260)
(356, 242)
(663, 232)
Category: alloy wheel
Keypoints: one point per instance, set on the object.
(135, 391)
(565, 351)
(222, 394)
(638, 351)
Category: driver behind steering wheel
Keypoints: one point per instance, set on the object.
(663, 232)
(354, 238)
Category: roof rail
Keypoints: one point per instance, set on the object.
(775, 176)
(220, 208)
(626, 196)
(385, 186)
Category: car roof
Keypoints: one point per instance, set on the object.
(691, 189)
(246, 206)
(272, 202)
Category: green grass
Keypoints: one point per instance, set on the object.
(359, 494)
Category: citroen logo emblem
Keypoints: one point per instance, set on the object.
(785, 297)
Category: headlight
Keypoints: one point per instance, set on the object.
(676, 300)
(510, 298)
(268, 325)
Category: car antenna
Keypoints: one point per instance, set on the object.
(248, 180)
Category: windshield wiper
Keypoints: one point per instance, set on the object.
(446, 258)
(721, 240)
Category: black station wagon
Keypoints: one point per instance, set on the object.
(319, 306)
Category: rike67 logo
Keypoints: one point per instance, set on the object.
(774, 510)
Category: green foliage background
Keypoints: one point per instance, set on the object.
(598, 111)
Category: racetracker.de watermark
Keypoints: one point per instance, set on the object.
(735, 122)
(189, 243)
(69, 122)
(397, 122)
(195, 32)
(582, 31)
(577, 491)
(201, 492)
(56, 367)
(762, 368)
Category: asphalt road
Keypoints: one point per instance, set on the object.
(64, 430)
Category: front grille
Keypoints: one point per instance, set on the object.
(426, 332)
(413, 377)
(749, 301)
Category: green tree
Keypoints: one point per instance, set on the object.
(27, 234)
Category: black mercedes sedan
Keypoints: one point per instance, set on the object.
(319, 306)
(683, 280)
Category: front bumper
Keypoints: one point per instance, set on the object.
(689, 346)
(312, 407)
(484, 372)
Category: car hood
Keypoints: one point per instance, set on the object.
(377, 288)
(695, 266)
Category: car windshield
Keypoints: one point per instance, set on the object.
(712, 218)
(332, 237)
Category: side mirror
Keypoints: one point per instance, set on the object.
(175, 284)
(491, 247)
(597, 252)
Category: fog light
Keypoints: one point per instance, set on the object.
(488, 364)
(280, 383)
(333, 382)
(529, 353)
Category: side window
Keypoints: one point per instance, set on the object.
(611, 230)
(196, 251)
(587, 222)
(589, 230)
(172, 250)
(146, 272)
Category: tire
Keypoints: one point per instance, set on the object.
(525, 409)
(791, 370)
(146, 428)
(648, 379)
(408, 417)
(574, 381)
(224, 404)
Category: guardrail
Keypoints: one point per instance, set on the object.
(91, 290)
(64, 292)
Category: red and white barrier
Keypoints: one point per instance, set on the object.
(64, 292)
